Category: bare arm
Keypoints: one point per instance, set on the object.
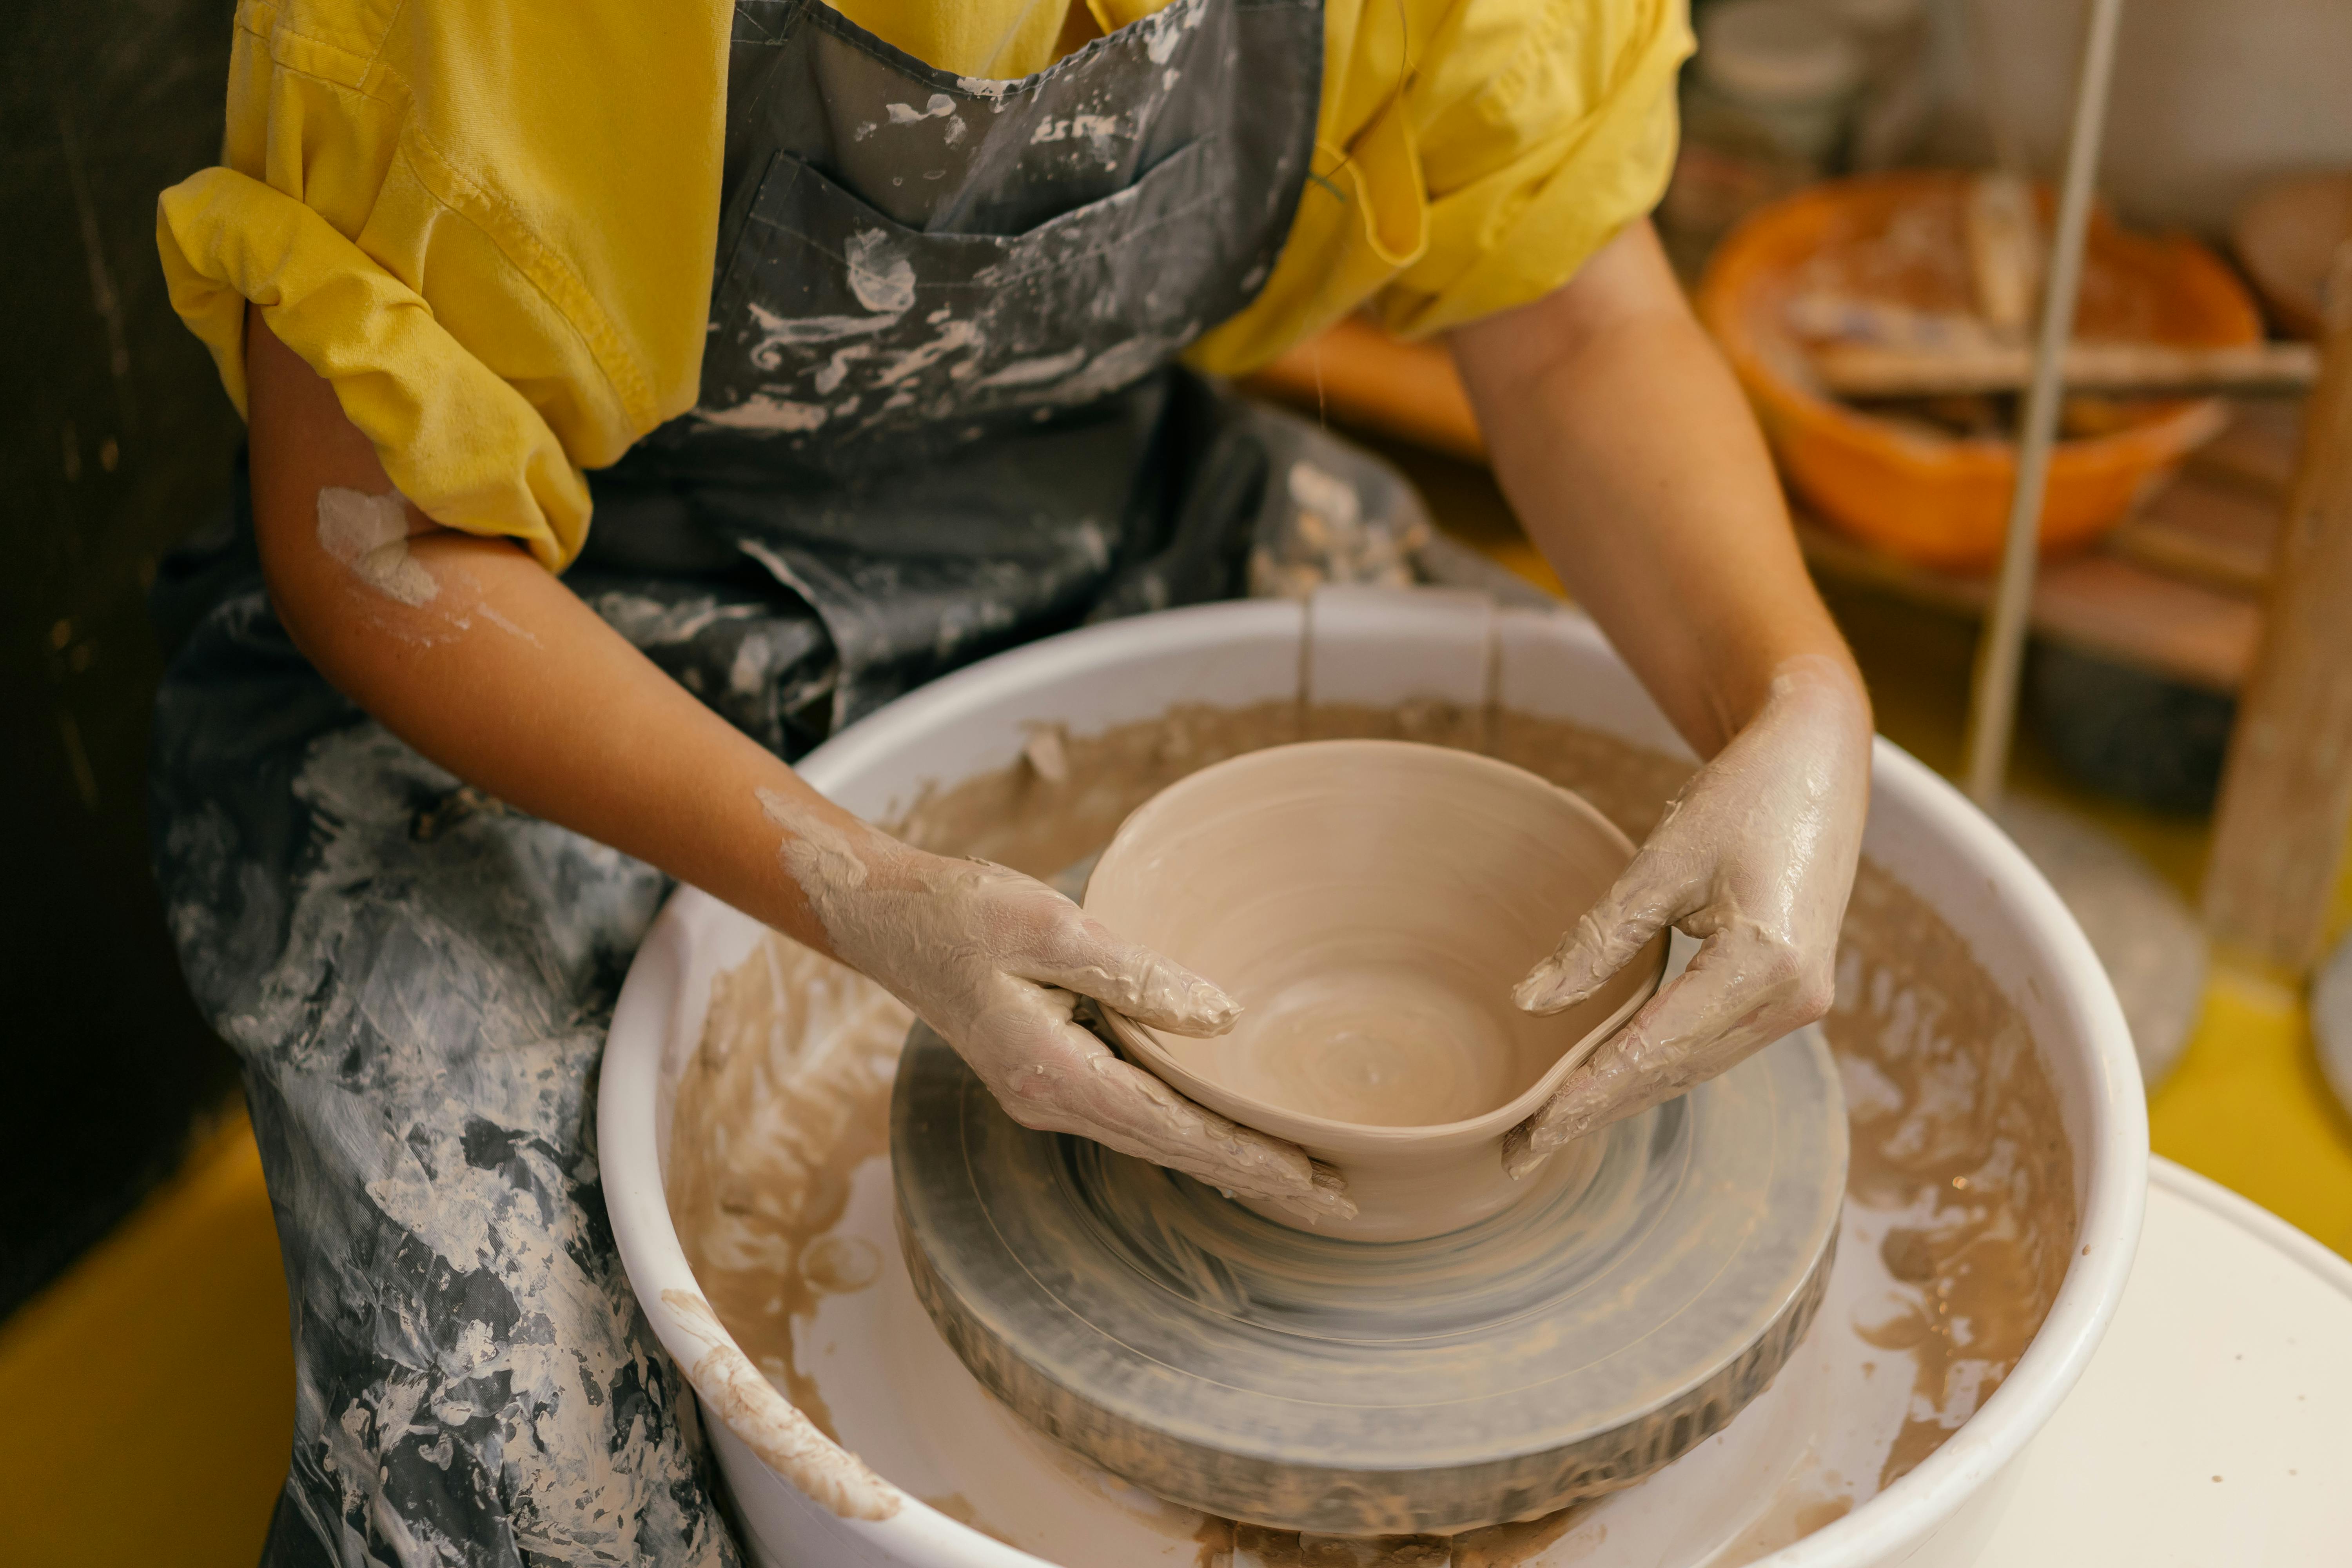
(470, 651)
(1631, 457)
(500, 674)
(1627, 450)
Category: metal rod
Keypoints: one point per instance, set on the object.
(2001, 654)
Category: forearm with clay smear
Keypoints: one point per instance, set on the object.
(473, 653)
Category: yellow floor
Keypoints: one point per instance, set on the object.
(151, 1392)
(2247, 1107)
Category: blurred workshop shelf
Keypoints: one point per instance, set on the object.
(2175, 591)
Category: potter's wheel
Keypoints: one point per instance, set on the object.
(1653, 1280)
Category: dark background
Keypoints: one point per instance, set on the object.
(115, 440)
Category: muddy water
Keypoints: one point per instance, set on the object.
(1956, 1134)
(1955, 1126)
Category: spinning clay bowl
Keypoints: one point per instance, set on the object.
(898, 1395)
(1370, 904)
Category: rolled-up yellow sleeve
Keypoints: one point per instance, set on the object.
(1469, 157)
(490, 225)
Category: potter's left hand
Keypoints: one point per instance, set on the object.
(995, 961)
(1755, 856)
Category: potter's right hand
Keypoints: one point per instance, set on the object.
(995, 961)
(1755, 856)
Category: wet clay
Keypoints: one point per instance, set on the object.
(957, 1507)
(997, 963)
(734, 1391)
(1354, 1044)
(1370, 904)
(1373, 982)
(1955, 1131)
(788, 1091)
(1955, 1126)
(1026, 818)
(1755, 857)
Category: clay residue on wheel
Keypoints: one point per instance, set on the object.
(1955, 1130)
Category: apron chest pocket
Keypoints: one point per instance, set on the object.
(833, 324)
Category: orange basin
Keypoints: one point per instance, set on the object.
(1941, 499)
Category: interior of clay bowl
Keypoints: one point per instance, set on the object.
(1370, 904)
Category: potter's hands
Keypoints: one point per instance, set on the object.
(1756, 857)
(995, 961)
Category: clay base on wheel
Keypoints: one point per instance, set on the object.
(1651, 1283)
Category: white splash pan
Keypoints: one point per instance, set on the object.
(1387, 646)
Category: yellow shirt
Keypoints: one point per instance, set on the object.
(491, 222)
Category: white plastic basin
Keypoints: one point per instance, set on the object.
(1385, 648)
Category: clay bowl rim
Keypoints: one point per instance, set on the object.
(1363, 1137)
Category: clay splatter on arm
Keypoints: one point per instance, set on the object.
(369, 534)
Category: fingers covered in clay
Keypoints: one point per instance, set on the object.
(1645, 899)
(994, 962)
(1053, 1076)
(1082, 955)
(1737, 996)
(1756, 858)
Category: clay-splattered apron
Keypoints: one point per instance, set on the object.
(936, 400)
(937, 418)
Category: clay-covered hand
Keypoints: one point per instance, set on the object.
(1755, 856)
(995, 961)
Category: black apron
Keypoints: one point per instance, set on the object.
(939, 416)
(937, 399)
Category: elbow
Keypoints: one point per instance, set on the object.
(336, 555)
(331, 532)
(301, 589)
(316, 589)
(293, 599)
